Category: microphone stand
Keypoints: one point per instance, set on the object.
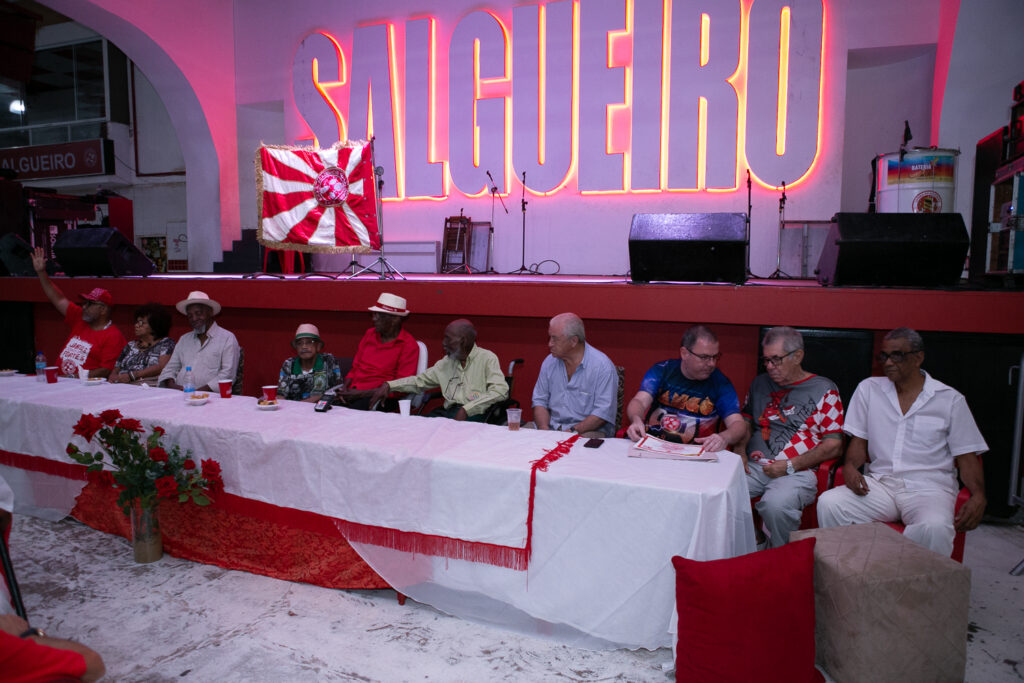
(490, 231)
(750, 209)
(779, 274)
(522, 268)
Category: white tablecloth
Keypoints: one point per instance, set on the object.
(605, 525)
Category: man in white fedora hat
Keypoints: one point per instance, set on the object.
(308, 374)
(209, 349)
(385, 352)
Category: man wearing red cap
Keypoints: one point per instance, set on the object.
(94, 343)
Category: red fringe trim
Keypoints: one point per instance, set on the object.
(542, 465)
(33, 463)
(439, 546)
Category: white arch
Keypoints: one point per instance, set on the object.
(204, 180)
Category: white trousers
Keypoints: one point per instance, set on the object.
(927, 513)
(782, 500)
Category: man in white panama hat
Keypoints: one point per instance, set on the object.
(385, 352)
(209, 349)
(308, 374)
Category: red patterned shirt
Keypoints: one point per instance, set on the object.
(88, 348)
(791, 420)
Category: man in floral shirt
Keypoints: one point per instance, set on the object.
(306, 376)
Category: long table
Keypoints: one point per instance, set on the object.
(525, 529)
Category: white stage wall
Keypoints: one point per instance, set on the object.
(234, 73)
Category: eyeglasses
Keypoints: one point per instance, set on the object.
(896, 356)
(776, 361)
(450, 391)
(705, 357)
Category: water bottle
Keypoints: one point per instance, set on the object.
(40, 367)
(190, 384)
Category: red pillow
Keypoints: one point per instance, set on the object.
(748, 618)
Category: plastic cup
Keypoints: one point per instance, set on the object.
(83, 374)
(269, 392)
(515, 415)
(225, 387)
(51, 374)
(404, 405)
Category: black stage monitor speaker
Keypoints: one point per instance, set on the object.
(894, 249)
(99, 251)
(15, 256)
(692, 247)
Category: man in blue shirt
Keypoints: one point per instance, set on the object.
(577, 389)
(689, 397)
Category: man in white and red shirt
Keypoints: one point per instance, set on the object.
(795, 422)
(94, 343)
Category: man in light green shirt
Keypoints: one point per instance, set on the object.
(470, 377)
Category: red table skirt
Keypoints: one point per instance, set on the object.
(237, 533)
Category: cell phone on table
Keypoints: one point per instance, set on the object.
(593, 443)
(323, 405)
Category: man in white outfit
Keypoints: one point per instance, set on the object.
(913, 429)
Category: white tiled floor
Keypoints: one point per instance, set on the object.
(181, 621)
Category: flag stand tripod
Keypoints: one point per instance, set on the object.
(387, 271)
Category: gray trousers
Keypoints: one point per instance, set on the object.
(782, 500)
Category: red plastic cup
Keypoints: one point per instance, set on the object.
(225, 387)
(51, 374)
(269, 392)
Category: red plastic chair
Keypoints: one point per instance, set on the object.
(958, 540)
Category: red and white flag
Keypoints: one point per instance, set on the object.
(318, 200)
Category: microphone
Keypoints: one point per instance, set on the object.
(489, 176)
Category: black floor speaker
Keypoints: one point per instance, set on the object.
(894, 249)
(15, 256)
(688, 247)
(99, 251)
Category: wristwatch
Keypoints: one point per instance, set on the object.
(789, 467)
(38, 632)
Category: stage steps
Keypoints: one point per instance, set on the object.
(246, 255)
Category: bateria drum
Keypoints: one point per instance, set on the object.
(923, 181)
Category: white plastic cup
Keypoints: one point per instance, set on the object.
(515, 415)
(404, 406)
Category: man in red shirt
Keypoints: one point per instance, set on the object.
(94, 343)
(28, 654)
(385, 352)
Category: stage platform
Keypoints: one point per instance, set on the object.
(635, 324)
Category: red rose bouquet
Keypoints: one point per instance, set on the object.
(142, 469)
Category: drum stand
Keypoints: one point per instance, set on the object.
(778, 273)
(387, 271)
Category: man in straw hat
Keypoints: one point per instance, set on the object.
(209, 349)
(94, 343)
(307, 375)
(385, 352)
